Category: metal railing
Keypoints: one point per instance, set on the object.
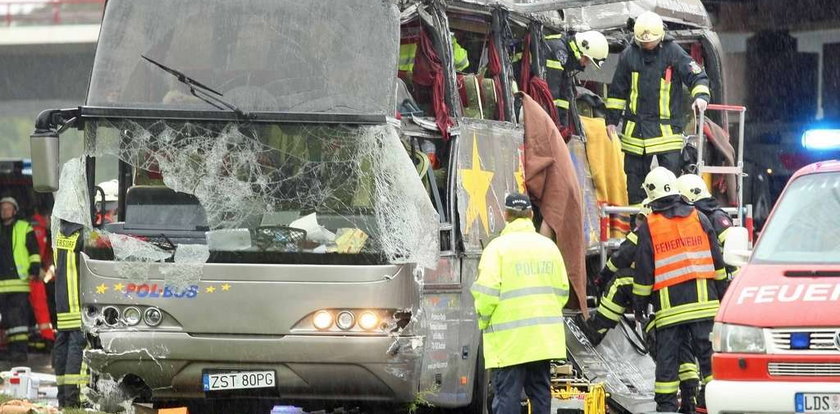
(742, 217)
(55, 12)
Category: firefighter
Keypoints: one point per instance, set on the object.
(70, 343)
(20, 262)
(563, 56)
(617, 298)
(646, 94)
(520, 292)
(680, 271)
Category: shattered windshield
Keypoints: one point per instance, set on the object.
(316, 189)
(264, 55)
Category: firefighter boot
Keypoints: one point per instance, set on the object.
(688, 397)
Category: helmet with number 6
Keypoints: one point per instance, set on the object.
(660, 182)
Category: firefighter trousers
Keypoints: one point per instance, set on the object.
(669, 344)
(638, 166)
(67, 362)
(508, 382)
(16, 315)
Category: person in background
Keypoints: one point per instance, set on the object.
(20, 262)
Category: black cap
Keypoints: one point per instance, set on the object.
(517, 201)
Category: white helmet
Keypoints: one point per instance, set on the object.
(593, 45)
(660, 182)
(692, 187)
(111, 189)
(648, 28)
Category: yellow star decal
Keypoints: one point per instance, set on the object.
(101, 289)
(519, 176)
(226, 287)
(210, 289)
(119, 287)
(476, 182)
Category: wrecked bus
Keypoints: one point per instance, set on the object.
(300, 215)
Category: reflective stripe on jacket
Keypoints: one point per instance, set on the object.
(408, 50)
(24, 259)
(519, 297)
(681, 250)
(67, 303)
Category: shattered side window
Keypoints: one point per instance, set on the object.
(265, 189)
(334, 56)
(490, 165)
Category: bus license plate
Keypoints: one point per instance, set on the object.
(238, 380)
(805, 402)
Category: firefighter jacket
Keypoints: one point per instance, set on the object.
(519, 297)
(409, 50)
(623, 257)
(560, 57)
(19, 244)
(719, 218)
(618, 297)
(646, 93)
(679, 265)
(68, 244)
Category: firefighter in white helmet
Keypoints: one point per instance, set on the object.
(563, 55)
(646, 96)
(695, 192)
(680, 272)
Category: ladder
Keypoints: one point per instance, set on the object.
(738, 168)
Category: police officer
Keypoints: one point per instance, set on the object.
(563, 56)
(20, 262)
(520, 292)
(70, 343)
(680, 271)
(646, 93)
(617, 299)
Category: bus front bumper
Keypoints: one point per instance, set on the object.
(323, 367)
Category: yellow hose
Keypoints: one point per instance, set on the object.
(596, 400)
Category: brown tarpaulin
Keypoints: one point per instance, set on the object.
(552, 183)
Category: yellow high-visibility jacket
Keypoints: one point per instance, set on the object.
(520, 292)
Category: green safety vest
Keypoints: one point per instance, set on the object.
(520, 292)
(23, 259)
(408, 50)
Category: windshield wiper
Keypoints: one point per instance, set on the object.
(199, 90)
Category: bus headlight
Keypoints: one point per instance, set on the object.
(345, 320)
(111, 315)
(738, 339)
(368, 320)
(131, 316)
(152, 317)
(322, 320)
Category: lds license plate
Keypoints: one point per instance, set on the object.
(805, 402)
(238, 380)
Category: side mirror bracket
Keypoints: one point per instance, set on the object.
(44, 146)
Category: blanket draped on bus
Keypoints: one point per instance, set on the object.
(553, 186)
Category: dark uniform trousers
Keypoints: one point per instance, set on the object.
(15, 311)
(669, 342)
(638, 166)
(67, 361)
(617, 299)
(509, 382)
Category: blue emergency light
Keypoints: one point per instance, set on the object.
(800, 340)
(821, 139)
